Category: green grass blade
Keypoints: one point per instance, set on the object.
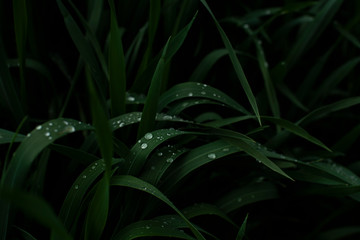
(338, 233)
(165, 226)
(295, 129)
(291, 96)
(136, 183)
(310, 32)
(237, 66)
(347, 35)
(241, 233)
(95, 9)
(206, 64)
(191, 89)
(84, 47)
(116, 66)
(36, 208)
(149, 112)
(327, 109)
(334, 79)
(20, 25)
(26, 235)
(347, 141)
(8, 136)
(97, 213)
(8, 95)
(76, 194)
(248, 194)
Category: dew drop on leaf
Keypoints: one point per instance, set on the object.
(143, 146)
(169, 160)
(190, 94)
(76, 186)
(38, 127)
(148, 136)
(211, 155)
(47, 134)
(160, 154)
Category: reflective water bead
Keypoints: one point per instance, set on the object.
(225, 149)
(69, 129)
(160, 154)
(66, 123)
(190, 94)
(169, 160)
(148, 136)
(203, 93)
(50, 124)
(84, 176)
(131, 99)
(47, 134)
(144, 146)
(121, 124)
(147, 227)
(38, 127)
(28, 135)
(211, 155)
(76, 186)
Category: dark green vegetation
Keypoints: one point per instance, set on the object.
(178, 119)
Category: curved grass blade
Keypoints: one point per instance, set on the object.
(30, 147)
(206, 64)
(327, 109)
(249, 194)
(340, 233)
(69, 209)
(206, 209)
(149, 112)
(237, 66)
(241, 233)
(136, 183)
(36, 208)
(350, 37)
(75, 154)
(295, 129)
(141, 150)
(8, 136)
(25, 235)
(196, 158)
(346, 142)
(334, 79)
(192, 89)
(117, 74)
(20, 27)
(9, 96)
(179, 106)
(165, 226)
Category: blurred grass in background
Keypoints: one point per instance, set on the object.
(183, 119)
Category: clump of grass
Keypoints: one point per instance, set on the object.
(201, 125)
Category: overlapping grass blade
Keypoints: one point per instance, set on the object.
(87, 53)
(339, 233)
(26, 235)
(206, 64)
(77, 155)
(165, 226)
(310, 32)
(202, 209)
(36, 208)
(117, 74)
(237, 66)
(199, 90)
(327, 109)
(291, 96)
(347, 141)
(9, 95)
(141, 150)
(8, 136)
(98, 209)
(136, 183)
(241, 233)
(345, 33)
(150, 108)
(251, 193)
(295, 129)
(81, 186)
(20, 25)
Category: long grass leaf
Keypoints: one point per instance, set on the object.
(136, 183)
(36, 208)
(199, 90)
(237, 66)
(150, 108)
(295, 129)
(8, 136)
(241, 233)
(117, 74)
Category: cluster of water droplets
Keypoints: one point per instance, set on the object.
(98, 165)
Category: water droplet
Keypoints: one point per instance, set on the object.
(160, 154)
(203, 93)
(246, 26)
(144, 146)
(131, 99)
(69, 129)
(38, 127)
(56, 130)
(169, 160)
(97, 163)
(190, 94)
(239, 199)
(28, 135)
(93, 167)
(76, 186)
(84, 176)
(211, 155)
(177, 95)
(65, 122)
(225, 149)
(266, 64)
(167, 117)
(139, 119)
(47, 134)
(268, 12)
(152, 167)
(282, 156)
(147, 227)
(50, 124)
(198, 84)
(50, 138)
(148, 136)
(121, 124)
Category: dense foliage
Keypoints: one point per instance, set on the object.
(183, 119)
